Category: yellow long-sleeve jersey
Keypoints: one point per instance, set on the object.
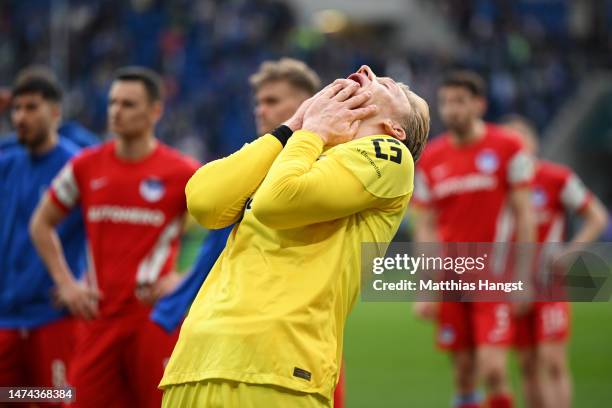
(274, 306)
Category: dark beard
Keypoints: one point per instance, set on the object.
(461, 130)
(39, 139)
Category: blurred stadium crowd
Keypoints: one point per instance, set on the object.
(532, 52)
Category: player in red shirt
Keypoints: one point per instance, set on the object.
(541, 334)
(131, 192)
(467, 181)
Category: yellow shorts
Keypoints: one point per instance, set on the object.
(231, 394)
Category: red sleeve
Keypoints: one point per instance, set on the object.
(65, 189)
(520, 165)
(575, 196)
(58, 203)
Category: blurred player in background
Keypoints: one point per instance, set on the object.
(463, 183)
(541, 334)
(267, 326)
(131, 192)
(70, 130)
(36, 336)
(280, 87)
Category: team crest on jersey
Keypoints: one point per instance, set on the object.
(539, 197)
(152, 189)
(487, 161)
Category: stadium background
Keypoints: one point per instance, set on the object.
(546, 59)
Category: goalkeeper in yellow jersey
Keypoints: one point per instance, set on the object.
(266, 328)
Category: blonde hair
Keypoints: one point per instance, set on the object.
(297, 73)
(415, 123)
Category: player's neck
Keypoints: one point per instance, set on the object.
(471, 135)
(46, 146)
(137, 148)
(369, 128)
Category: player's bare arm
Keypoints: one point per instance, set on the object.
(163, 286)
(595, 219)
(424, 224)
(520, 205)
(80, 300)
(425, 231)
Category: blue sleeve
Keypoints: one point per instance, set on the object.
(78, 134)
(8, 142)
(171, 309)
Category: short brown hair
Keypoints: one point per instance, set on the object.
(416, 124)
(297, 73)
(40, 80)
(150, 79)
(469, 80)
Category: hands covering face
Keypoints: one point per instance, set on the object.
(334, 113)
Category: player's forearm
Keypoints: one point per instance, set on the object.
(520, 202)
(595, 221)
(285, 183)
(218, 191)
(425, 234)
(424, 226)
(525, 231)
(49, 247)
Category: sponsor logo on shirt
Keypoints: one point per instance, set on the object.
(152, 189)
(98, 183)
(369, 159)
(487, 161)
(439, 171)
(126, 215)
(465, 184)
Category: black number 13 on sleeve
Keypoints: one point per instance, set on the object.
(394, 149)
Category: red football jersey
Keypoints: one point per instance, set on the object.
(556, 190)
(133, 213)
(468, 185)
